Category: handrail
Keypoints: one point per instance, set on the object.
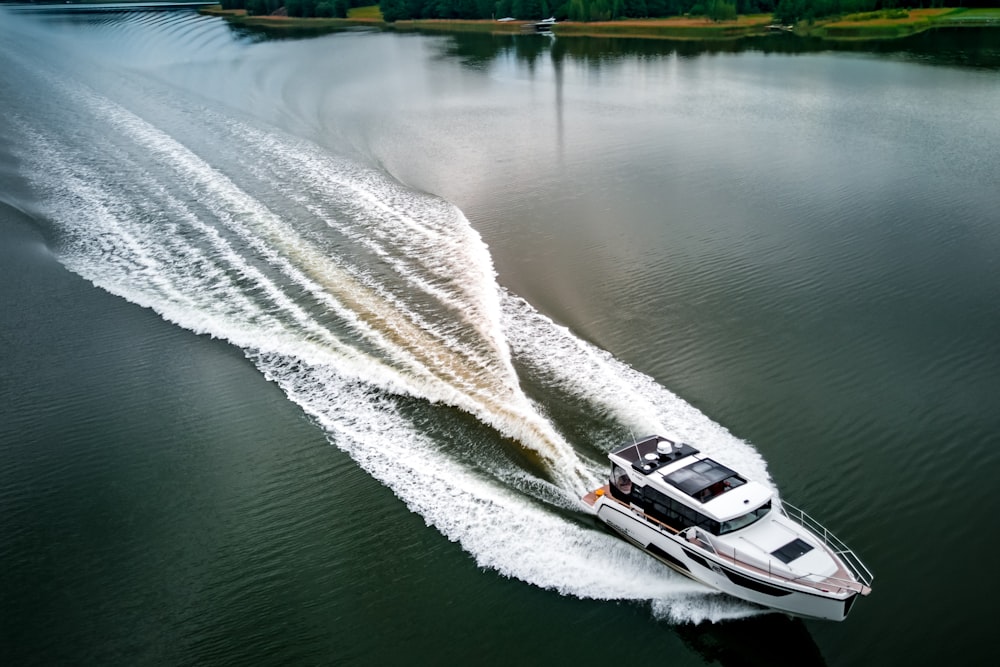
(861, 573)
(820, 583)
(846, 554)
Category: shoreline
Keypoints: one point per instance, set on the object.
(874, 26)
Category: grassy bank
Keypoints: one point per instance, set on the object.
(672, 28)
(981, 17)
(459, 25)
(366, 16)
(681, 27)
(360, 16)
(889, 24)
(876, 25)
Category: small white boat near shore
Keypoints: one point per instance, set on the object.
(732, 534)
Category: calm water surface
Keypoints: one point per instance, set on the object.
(309, 344)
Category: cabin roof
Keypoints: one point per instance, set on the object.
(695, 477)
(703, 483)
(647, 455)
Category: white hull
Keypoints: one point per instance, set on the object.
(809, 600)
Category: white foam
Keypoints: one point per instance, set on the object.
(203, 252)
(695, 609)
(491, 519)
(619, 392)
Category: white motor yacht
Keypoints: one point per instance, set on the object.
(713, 525)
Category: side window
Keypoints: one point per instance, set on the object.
(621, 479)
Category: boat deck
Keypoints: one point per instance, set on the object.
(591, 498)
(839, 581)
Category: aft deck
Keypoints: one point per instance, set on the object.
(591, 498)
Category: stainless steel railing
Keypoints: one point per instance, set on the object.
(847, 555)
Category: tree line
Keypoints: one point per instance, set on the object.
(297, 8)
(784, 11)
(573, 10)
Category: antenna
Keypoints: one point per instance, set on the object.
(635, 443)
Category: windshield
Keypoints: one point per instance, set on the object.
(746, 519)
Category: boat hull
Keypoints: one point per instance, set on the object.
(706, 567)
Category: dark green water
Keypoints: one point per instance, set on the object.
(308, 345)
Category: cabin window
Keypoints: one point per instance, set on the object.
(745, 520)
(718, 488)
(621, 479)
(621, 483)
(675, 513)
(705, 479)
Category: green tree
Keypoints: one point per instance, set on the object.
(576, 10)
(600, 10)
(658, 8)
(789, 12)
(332, 9)
(529, 9)
(720, 10)
(395, 10)
(636, 9)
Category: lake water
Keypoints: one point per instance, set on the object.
(310, 343)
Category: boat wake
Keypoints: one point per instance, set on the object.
(377, 310)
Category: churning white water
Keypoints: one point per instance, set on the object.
(352, 292)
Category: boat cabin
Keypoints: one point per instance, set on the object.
(706, 520)
(673, 484)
